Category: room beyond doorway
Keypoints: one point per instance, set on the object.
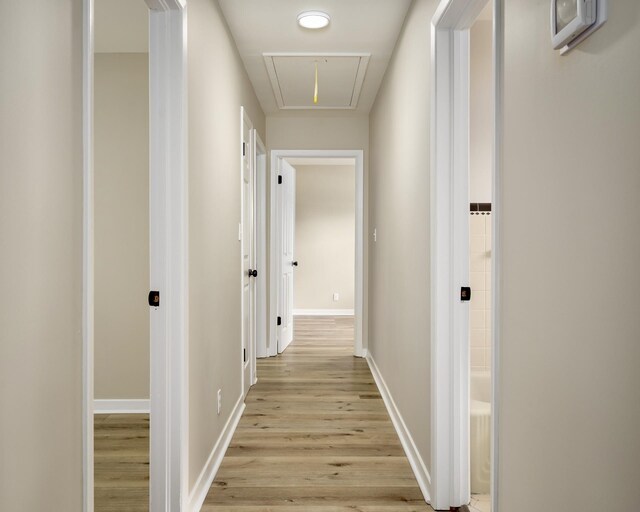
(281, 295)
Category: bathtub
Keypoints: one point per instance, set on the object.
(480, 432)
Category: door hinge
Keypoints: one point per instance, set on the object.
(154, 298)
(465, 293)
(279, 320)
(279, 179)
(244, 354)
(244, 149)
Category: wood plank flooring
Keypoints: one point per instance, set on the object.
(315, 436)
(121, 464)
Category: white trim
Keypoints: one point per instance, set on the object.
(496, 249)
(261, 248)
(410, 449)
(323, 312)
(360, 344)
(277, 90)
(168, 266)
(449, 248)
(245, 122)
(121, 406)
(168, 209)
(208, 473)
(88, 285)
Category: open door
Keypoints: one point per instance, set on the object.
(286, 198)
(249, 271)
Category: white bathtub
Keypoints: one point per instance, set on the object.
(480, 432)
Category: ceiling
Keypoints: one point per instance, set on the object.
(121, 26)
(367, 29)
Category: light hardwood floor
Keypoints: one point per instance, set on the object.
(315, 436)
(121, 465)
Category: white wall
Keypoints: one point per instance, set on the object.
(325, 237)
(399, 293)
(121, 163)
(481, 112)
(41, 253)
(218, 87)
(570, 350)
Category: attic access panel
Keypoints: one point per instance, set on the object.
(340, 78)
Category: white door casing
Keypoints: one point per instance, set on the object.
(450, 365)
(276, 156)
(168, 205)
(247, 245)
(261, 179)
(286, 196)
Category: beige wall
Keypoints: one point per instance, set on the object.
(325, 236)
(327, 130)
(41, 251)
(481, 112)
(121, 163)
(569, 392)
(218, 86)
(399, 305)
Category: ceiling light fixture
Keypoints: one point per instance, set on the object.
(313, 19)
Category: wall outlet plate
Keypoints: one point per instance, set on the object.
(336, 297)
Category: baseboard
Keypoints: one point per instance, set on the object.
(410, 449)
(123, 406)
(208, 473)
(323, 312)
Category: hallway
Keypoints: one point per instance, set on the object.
(315, 435)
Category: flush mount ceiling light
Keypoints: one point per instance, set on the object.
(313, 19)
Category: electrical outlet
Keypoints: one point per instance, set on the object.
(375, 235)
(219, 400)
(336, 297)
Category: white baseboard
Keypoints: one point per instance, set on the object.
(123, 406)
(410, 449)
(323, 312)
(208, 473)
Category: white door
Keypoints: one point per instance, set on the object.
(287, 207)
(249, 272)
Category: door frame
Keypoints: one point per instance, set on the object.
(261, 166)
(168, 211)
(245, 122)
(360, 344)
(450, 367)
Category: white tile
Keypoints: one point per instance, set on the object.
(477, 319)
(477, 357)
(477, 244)
(487, 300)
(477, 338)
(487, 319)
(477, 281)
(477, 300)
(487, 281)
(477, 225)
(477, 262)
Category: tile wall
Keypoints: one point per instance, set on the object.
(480, 278)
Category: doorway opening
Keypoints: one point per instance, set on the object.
(315, 295)
(122, 256)
(466, 99)
(156, 254)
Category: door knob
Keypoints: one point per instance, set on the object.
(295, 263)
(252, 273)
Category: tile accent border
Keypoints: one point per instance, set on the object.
(480, 208)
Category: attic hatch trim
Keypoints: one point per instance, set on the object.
(357, 85)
